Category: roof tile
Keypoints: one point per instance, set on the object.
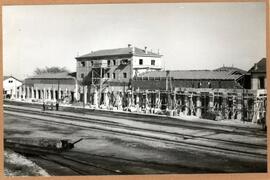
(194, 74)
(119, 51)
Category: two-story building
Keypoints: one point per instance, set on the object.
(116, 67)
(258, 75)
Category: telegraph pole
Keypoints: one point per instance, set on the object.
(83, 97)
(100, 86)
(58, 82)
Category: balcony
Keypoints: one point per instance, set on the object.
(100, 64)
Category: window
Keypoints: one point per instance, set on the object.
(125, 75)
(219, 84)
(114, 62)
(82, 75)
(153, 62)
(108, 75)
(10, 81)
(113, 75)
(83, 63)
(261, 86)
(140, 61)
(124, 61)
(92, 63)
(109, 62)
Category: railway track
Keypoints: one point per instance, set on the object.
(227, 129)
(183, 140)
(80, 167)
(220, 128)
(97, 164)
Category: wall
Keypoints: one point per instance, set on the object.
(160, 84)
(51, 83)
(255, 82)
(147, 62)
(10, 87)
(118, 68)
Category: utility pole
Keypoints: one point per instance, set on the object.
(100, 86)
(58, 82)
(83, 97)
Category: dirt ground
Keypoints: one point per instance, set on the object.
(132, 155)
(18, 165)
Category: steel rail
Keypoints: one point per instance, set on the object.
(174, 142)
(179, 135)
(184, 123)
(195, 126)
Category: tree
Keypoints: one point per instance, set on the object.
(52, 69)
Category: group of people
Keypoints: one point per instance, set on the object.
(51, 106)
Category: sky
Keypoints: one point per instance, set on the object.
(188, 35)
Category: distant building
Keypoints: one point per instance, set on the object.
(50, 86)
(231, 70)
(10, 85)
(219, 78)
(244, 81)
(258, 75)
(116, 67)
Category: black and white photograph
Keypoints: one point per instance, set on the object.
(134, 89)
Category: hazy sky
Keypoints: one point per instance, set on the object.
(189, 35)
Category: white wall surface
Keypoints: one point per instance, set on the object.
(10, 85)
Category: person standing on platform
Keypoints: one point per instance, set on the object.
(43, 106)
(57, 106)
(51, 106)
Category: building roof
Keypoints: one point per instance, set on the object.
(194, 74)
(6, 77)
(61, 75)
(119, 51)
(231, 70)
(259, 67)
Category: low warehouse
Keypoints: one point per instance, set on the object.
(50, 86)
(165, 80)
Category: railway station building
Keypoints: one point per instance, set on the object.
(117, 65)
(50, 87)
(133, 79)
(112, 70)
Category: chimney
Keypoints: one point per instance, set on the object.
(255, 66)
(167, 73)
(145, 49)
(158, 51)
(133, 50)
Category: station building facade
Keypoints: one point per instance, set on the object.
(50, 87)
(116, 67)
(112, 70)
